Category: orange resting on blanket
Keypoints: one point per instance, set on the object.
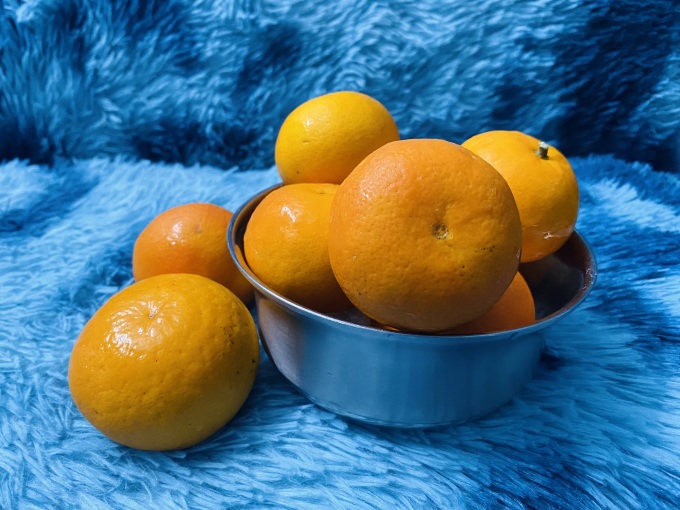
(189, 238)
(165, 363)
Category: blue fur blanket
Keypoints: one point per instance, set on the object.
(598, 426)
(112, 112)
(210, 81)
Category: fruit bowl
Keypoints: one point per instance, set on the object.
(344, 364)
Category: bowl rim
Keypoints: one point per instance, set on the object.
(235, 250)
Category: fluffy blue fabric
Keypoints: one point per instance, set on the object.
(210, 81)
(598, 427)
(111, 112)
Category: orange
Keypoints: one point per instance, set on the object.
(542, 182)
(515, 309)
(323, 139)
(286, 245)
(424, 235)
(165, 363)
(190, 238)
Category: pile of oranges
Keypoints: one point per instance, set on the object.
(172, 358)
(420, 235)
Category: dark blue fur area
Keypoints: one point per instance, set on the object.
(210, 82)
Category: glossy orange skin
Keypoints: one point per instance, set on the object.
(190, 238)
(323, 139)
(286, 245)
(424, 235)
(165, 363)
(515, 309)
(545, 189)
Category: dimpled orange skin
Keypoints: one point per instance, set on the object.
(546, 190)
(424, 235)
(323, 139)
(286, 245)
(189, 238)
(515, 309)
(165, 363)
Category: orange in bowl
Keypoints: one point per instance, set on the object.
(542, 182)
(286, 245)
(515, 309)
(424, 235)
(323, 139)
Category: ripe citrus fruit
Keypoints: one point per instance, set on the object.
(286, 245)
(542, 182)
(165, 363)
(190, 238)
(514, 309)
(424, 235)
(323, 139)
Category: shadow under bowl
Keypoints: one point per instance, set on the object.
(408, 380)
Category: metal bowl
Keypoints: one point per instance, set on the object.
(406, 380)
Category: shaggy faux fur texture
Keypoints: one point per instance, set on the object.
(210, 81)
(598, 427)
(96, 95)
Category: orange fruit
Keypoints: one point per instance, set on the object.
(542, 182)
(190, 238)
(424, 235)
(165, 363)
(323, 139)
(515, 309)
(286, 245)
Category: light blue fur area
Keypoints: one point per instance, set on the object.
(111, 112)
(598, 426)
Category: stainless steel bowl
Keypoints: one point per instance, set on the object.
(381, 377)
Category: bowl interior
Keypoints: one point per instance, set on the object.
(558, 282)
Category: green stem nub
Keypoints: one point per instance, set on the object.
(542, 151)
